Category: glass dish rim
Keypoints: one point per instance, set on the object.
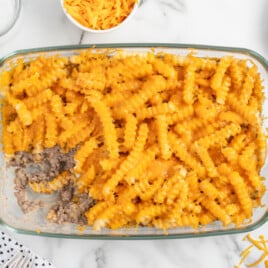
(196, 234)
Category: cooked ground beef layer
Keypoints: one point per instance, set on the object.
(45, 166)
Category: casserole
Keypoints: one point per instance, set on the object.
(11, 214)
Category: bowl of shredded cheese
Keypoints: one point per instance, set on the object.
(99, 16)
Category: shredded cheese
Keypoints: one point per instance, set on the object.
(260, 244)
(99, 14)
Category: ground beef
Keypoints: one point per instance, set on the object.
(67, 210)
(21, 179)
(25, 204)
(42, 166)
(20, 159)
(66, 193)
(45, 166)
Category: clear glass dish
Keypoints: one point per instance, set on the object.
(34, 223)
(9, 14)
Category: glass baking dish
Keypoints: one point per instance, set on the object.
(34, 223)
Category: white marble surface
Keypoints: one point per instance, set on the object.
(241, 23)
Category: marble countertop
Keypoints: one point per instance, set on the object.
(239, 23)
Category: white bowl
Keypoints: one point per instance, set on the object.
(84, 28)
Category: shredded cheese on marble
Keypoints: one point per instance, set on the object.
(259, 244)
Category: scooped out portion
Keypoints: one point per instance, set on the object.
(41, 172)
